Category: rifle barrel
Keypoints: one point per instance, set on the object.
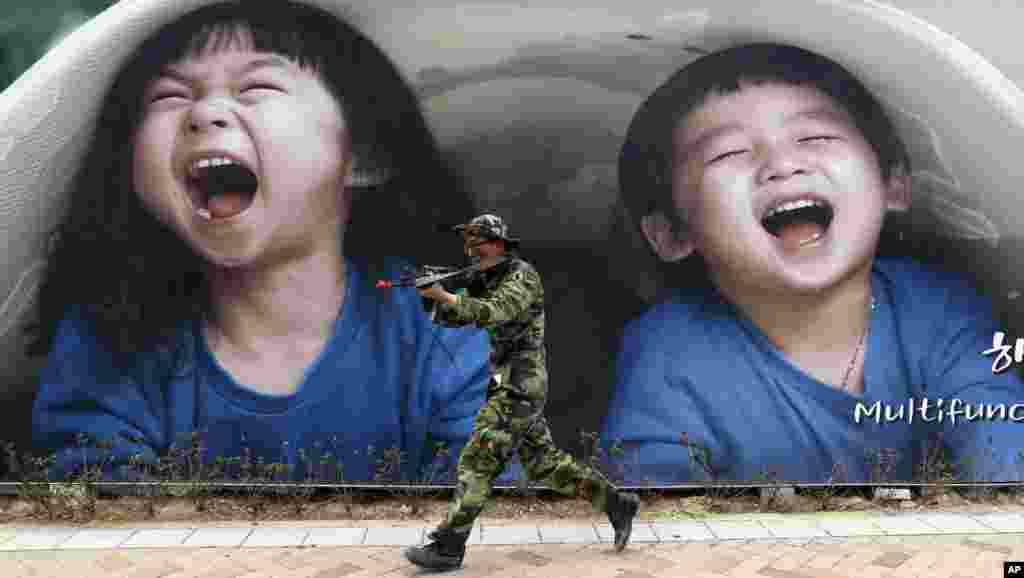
(427, 275)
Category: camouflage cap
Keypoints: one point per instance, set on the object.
(490, 227)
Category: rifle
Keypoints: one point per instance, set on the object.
(451, 278)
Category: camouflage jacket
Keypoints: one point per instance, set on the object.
(508, 301)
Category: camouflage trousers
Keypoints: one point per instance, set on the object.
(513, 420)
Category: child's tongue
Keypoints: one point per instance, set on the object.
(226, 204)
(796, 235)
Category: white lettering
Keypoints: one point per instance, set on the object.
(931, 411)
(993, 409)
(1014, 416)
(954, 410)
(1003, 360)
(875, 410)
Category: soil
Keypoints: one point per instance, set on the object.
(429, 509)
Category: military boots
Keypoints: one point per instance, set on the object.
(622, 508)
(444, 552)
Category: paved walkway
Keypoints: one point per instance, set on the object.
(740, 546)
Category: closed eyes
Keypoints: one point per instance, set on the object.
(262, 86)
(822, 138)
(726, 155)
(818, 138)
(166, 95)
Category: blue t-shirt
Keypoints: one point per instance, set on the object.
(695, 365)
(387, 379)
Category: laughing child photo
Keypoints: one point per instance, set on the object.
(214, 270)
(766, 172)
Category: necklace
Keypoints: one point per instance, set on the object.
(860, 345)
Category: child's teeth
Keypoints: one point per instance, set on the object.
(214, 162)
(204, 213)
(792, 205)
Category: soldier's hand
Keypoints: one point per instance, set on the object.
(438, 293)
(435, 292)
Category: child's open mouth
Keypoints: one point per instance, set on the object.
(221, 187)
(798, 223)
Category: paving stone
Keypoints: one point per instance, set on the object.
(903, 525)
(335, 536)
(38, 538)
(118, 562)
(394, 536)
(633, 574)
(875, 546)
(218, 537)
(158, 538)
(642, 532)
(567, 534)
(1001, 522)
(987, 546)
(162, 569)
(275, 537)
(722, 563)
(495, 535)
(689, 560)
(790, 529)
(752, 564)
(918, 540)
(97, 538)
(738, 530)
(796, 541)
(645, 558)
(682, 531)
(892, 559)
(772, 572)
(529, 558)
(954, 524)
(840, 527)
(920, 561)
(338, 571)
(861, 539)
(317, 558)
(828, 541)
(1012, 541)
(83, 563)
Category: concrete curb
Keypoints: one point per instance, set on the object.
(754, 528)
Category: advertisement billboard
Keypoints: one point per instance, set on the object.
(769, 253)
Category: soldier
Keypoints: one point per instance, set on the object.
(507, 299)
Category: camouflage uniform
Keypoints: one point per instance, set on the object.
(508, 301)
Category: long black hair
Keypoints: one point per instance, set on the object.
(134, 281)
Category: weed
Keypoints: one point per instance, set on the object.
(96, 458)
(701, 455)
(33, 473)
(609, 464)
(825, 497)
(416, 492)
(773, 499)
(332, 470)
(935, 469)
(881, 464)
